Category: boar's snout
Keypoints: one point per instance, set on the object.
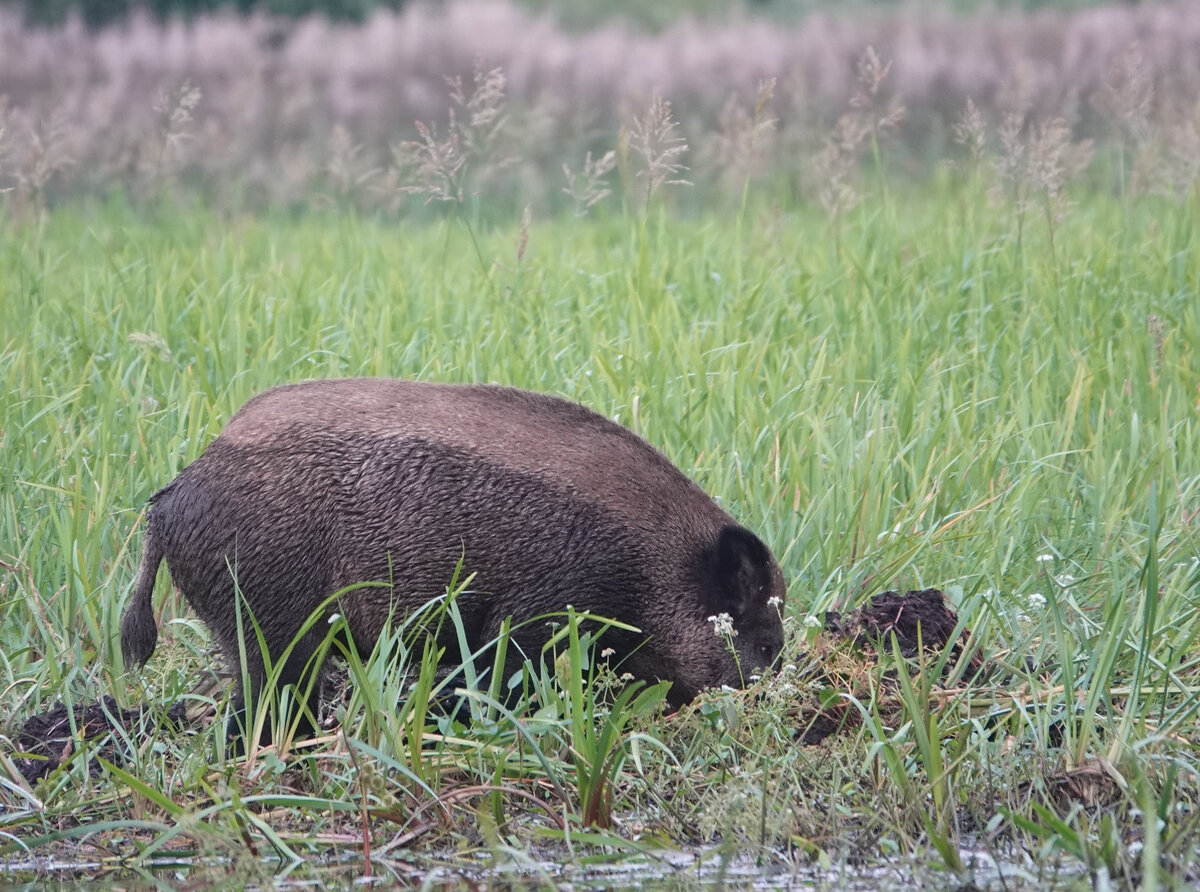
(740, 633)
(749, 587)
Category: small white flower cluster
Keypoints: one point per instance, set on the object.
(775, 601)
(784, 686)
(723, 625)
(812, 621)
(1034, 601)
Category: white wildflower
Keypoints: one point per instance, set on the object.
(607, 652)
(1065, 580)
(1036, 599)
(774, 601)
(812, 621)
(1045, 558)
(723, 625)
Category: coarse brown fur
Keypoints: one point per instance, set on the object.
(314, 487)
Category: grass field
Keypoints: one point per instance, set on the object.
(928, 391)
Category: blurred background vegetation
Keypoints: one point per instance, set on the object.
(504, 105)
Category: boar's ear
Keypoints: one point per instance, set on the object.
(741, 570)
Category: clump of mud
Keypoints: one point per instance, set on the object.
(843, 659)
(49, 739)
(919, 620)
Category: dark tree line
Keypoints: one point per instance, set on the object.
(98, 13)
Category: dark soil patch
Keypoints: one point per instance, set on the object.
(49, 739)
(919, 620)
(917, 623)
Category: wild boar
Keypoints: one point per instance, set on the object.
(316, 486)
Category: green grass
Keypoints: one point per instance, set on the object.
(910, 397)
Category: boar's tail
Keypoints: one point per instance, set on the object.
(139, 633)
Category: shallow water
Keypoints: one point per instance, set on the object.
(663, 873)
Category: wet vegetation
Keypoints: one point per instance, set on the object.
(981, 381)
(898, 401)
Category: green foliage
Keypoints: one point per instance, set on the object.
(597, 744)
(910, 396)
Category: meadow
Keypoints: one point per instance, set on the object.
(911, 341)
(930, 390)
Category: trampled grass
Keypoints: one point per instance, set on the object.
(911, 396)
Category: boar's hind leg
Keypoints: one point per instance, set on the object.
(298, 672)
